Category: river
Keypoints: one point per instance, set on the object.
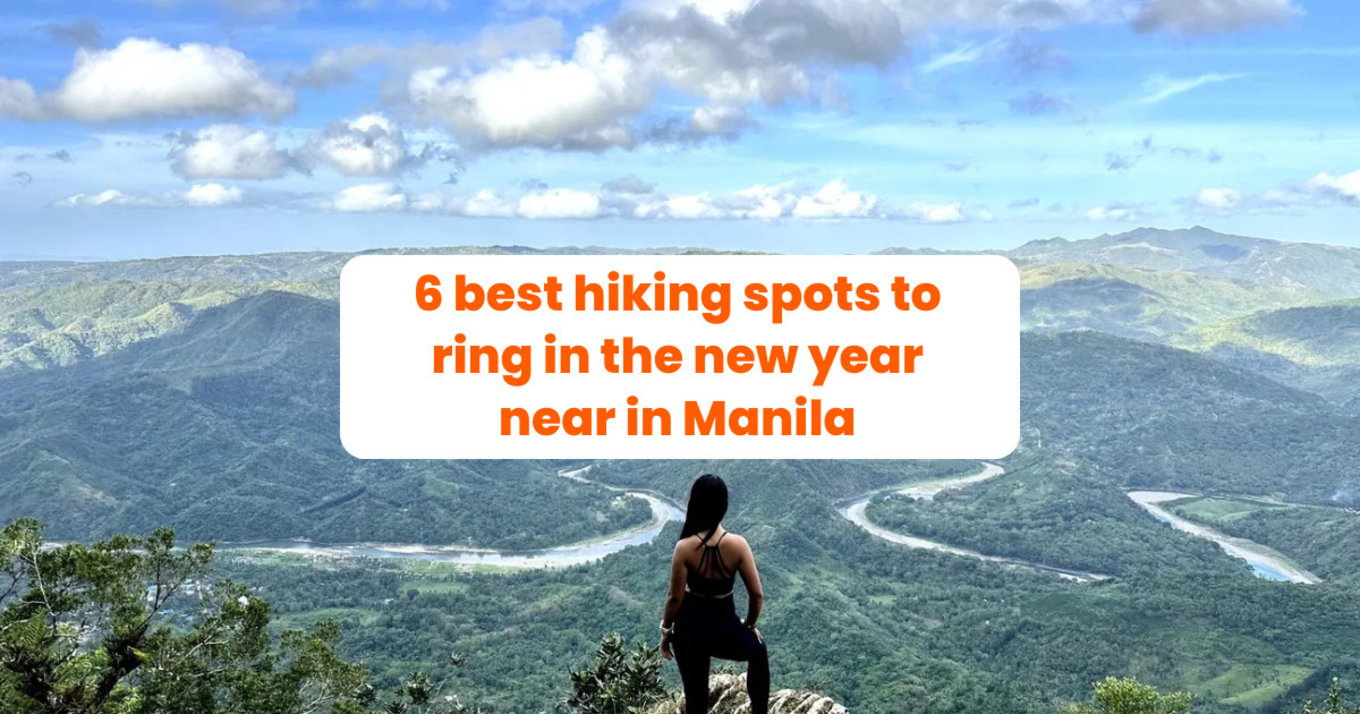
(1264, 563)
(854, 510)
(663, 512)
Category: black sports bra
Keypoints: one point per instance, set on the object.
(702, 581)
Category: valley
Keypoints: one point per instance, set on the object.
(202, 396)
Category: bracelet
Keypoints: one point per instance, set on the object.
(667, 631)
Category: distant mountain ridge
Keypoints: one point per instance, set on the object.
(1330, 269)
(1193, 288)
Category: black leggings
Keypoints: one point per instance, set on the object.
(707, 628)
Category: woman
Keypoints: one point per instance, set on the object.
(700, 620)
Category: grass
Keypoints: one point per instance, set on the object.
(365, 616)
(1220, 510)
(433, 586)
(1251, 685)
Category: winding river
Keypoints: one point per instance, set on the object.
(1263, 562)
(663, 512)
(854, 510)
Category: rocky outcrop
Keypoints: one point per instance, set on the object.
(727, 695)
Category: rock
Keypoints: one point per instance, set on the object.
(727, 695)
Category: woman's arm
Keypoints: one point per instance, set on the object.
(674, 597)
(750, 577)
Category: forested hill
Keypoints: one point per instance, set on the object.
(228, 429)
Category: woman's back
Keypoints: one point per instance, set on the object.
(713, 563)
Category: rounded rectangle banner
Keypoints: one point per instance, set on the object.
(733, 356)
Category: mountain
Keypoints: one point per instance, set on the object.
(1161, 417)
(1140, 303)
(1316, 348)
(1318, 335)
(297, 267)
(73, 321)
(55, 314)
(1329, 269)
(228, 429)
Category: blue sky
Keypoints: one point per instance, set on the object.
(159, 127)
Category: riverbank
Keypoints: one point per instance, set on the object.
(663, 511)
(855, 511)
(1264, 563)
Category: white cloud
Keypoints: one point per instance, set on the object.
(337, 65)
(143, 78)
(201, 195)
(559, 203)
(1321, 188)
(371, 145)
(1200, 17)
(835, 200)
(1345, 186)
(727, 58)
(540, 101)
(109, 197)
(228, 151)
(941, 213)
(1117, 211)
(18, 100)
(966, 53)
(1160, 87)
(716, 60)
(370, 197)
(212, 194)
(485, 204)
(1219, 199)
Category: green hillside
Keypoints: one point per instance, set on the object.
(1159, 417)
(1314, 336)
(68, 323)
(1142, 304)
(228, 429)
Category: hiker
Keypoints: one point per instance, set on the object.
(700, 619)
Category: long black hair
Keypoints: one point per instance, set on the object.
(707, 506)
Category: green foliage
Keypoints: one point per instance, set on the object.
(1333, 705)
(1324, 540)
(1157, 417)
(1129, 696)
(620, 681)
(91, 630)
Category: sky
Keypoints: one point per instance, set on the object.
(139, 128)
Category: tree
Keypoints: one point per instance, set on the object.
(1333, 704)
(621, 681)
(1129, 696)
(129, 626)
